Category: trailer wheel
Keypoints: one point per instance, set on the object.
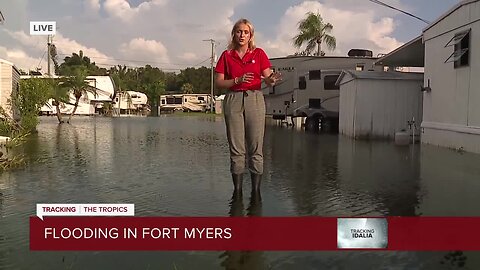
(312, 123)
(329, 125)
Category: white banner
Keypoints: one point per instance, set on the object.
(91, 209)
(43, 28)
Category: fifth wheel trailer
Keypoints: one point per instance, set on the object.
(308, 87)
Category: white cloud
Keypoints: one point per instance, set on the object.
(172, 31)
(145, 50)
(93, 5)
(68, 46)
(122, 9)
(379, 33)
(36, 42)
(189, 56)
(37, 45)
(21, 59)
(362, 29)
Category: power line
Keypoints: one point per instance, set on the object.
(41, 59)
(397, 9)
(202, 62)
(136, 61)
(129, 66)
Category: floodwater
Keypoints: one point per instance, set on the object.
(179, 166)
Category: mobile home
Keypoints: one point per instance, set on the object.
(451, 115)
(9, 82)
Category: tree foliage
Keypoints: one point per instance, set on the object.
(187, 88)
(78, 85)
(149, 80)
(31, 95)
(313, 31)
(71, 63)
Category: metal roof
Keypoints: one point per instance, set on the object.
(378, 75)
(411, 54)
(450, 11)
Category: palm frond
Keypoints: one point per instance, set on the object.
(313, 30)
(330, 41)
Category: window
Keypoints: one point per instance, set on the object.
(315, 75)
(314, 103)
(302, 83)
(329, 82)
(272, 90)
(201, 98)
(360, 67)
(461, 44)
(163, 101)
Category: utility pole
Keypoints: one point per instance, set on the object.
(212, 62)
(49, 43)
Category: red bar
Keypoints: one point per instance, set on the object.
(247, 233)
(253, 233)
(433, 233)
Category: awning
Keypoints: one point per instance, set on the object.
(411, 54)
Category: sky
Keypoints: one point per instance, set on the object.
(170, 34)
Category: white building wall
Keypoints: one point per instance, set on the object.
(348, 93)
(452, 109)
(474, 87)
(9, 78)
(385, 106)
(5, 83)
(378, 108)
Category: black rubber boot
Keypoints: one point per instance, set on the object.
(255, 207)
(256, 181)
(236, 204)
(237, 182)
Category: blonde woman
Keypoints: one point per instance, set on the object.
(241, 69)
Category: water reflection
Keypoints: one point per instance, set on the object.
(330, 175)
(243, 260)
(178, 166)
(379, 178)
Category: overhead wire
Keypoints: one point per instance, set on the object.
(141, 61)
(397, 9)
(41, 59)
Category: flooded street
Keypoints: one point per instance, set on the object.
(179, 166)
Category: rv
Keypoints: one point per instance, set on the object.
(185, 102)
(308, 87)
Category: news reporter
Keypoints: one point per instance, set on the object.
(241, 69)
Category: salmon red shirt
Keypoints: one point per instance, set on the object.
(232, 66)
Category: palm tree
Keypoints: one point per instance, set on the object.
(59, 95)
(119, 78)
(187, 88)
(313, 30)
(79, 87)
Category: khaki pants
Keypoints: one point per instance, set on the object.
(245, 121)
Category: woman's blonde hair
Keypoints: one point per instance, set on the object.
(251, 43)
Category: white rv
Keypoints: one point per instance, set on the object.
(185, 102)
(308, 87)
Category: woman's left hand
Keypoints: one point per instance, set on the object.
(274, 78)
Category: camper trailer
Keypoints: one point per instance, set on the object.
(308, 87)
(185, 102)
